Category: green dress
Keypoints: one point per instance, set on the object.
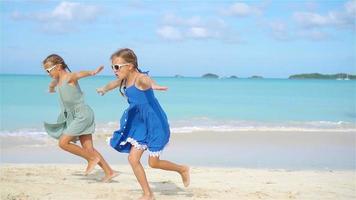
(76, 118)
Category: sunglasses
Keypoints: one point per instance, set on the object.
(51, 68)
(118, 66)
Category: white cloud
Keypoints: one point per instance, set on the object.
(313, 34)
(342, 18)
(241, 10)
(310, 19)
(199, 32)
(68, 11)
(350, 8)
(169, 33)
(177, 28)
(172, 19)
(315, 26)
(63, 17)
(279, 30)
(283, 31)
(202, 32)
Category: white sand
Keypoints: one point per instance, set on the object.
(65, 181)
(331, 155)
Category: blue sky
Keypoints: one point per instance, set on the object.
(243, 38)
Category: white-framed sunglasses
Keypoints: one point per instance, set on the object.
(51, 68)
(118, 66)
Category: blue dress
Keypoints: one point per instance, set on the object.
(143, 125)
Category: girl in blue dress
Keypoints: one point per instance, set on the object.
(144, 124)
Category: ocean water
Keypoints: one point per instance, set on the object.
(194, 104)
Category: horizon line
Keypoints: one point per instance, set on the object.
(201, 76)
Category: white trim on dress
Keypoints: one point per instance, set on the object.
(134, 143)
(139, 146)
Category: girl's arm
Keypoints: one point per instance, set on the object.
(112, 85)
(52, 85)
(158, 87)
(145, 82)
(82, 74)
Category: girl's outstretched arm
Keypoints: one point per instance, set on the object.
(158, 87)
(145, 82)
(112, 85)
(78, 75)
(52, 85)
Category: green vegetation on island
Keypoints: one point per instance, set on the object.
(256, 77)
(210, 75)
(339, 76)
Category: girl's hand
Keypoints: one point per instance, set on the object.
(82, 74)
(52, 85)
(100, 91)
(51, 90)
(96, 71)
(108, 87)
(157, 87)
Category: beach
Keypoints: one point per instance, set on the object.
(65, 181)
(244, 165)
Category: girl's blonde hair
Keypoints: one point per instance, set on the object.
(127, 54)
(55, 59)
(130, 57)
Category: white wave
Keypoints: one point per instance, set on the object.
(205, 124)
(24, 132)
(190, 129)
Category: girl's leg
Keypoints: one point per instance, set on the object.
(155, 162)
(87, 143)
(134, 160)
(64, 143)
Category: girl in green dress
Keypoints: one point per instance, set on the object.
(76, 120)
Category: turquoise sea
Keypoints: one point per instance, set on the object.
(194, 104)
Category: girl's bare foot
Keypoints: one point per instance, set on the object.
(147, 197)
(91, 165)
(109, 177)
(186, 176)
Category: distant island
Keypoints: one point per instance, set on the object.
(210, 75)
(256, 76)
(340, 76)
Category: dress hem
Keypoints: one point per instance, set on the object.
(139, 146)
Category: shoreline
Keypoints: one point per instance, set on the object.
(251, 149)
